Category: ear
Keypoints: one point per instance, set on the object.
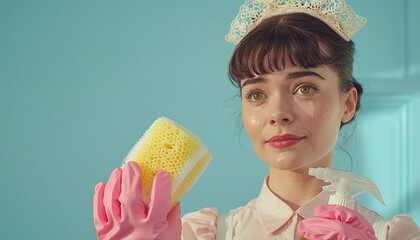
(350, 103)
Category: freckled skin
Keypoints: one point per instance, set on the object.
(311, 107)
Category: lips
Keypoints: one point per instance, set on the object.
(283, 141)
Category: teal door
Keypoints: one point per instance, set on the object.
(385, 140)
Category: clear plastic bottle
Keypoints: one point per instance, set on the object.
(347, 186)
(344, 183)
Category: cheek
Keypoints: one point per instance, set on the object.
(323, 121)
(253, 122)
(312, 114)
(309, 108)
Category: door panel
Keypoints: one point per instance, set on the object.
(384, 142)
(383, 146)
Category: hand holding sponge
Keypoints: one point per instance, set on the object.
(137, 203)
(119, 213)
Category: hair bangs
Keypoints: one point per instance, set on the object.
(271, 46)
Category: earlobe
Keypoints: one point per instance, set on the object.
(350, 103)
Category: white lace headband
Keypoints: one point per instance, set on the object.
(335, 13)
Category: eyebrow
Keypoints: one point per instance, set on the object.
(291, 76)
(253, 80)
(300, 74)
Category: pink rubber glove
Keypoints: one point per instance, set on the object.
(336, 222)
(119, 213)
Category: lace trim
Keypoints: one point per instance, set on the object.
(335, 13)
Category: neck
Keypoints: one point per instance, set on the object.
(295, 188)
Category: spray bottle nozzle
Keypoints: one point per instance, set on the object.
(344, 183)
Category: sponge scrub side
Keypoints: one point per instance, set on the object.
(168, 146)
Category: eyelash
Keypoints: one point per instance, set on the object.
(248, 95)
(312, 87)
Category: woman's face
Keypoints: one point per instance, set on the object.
(293, 116)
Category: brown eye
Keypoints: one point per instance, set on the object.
(305, 89)
(256, 96)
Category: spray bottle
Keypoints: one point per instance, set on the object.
(347, 186)
(344, 183)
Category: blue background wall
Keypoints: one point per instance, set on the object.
(80, 81)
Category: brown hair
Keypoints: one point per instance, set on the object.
(304, 40)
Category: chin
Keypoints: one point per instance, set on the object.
(284, 162)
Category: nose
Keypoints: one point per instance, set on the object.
(281, 111)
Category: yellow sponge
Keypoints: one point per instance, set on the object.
(168, 146)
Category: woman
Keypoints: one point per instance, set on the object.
(293, 67)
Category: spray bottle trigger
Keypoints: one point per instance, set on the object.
(346, 185)
(330, 188)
